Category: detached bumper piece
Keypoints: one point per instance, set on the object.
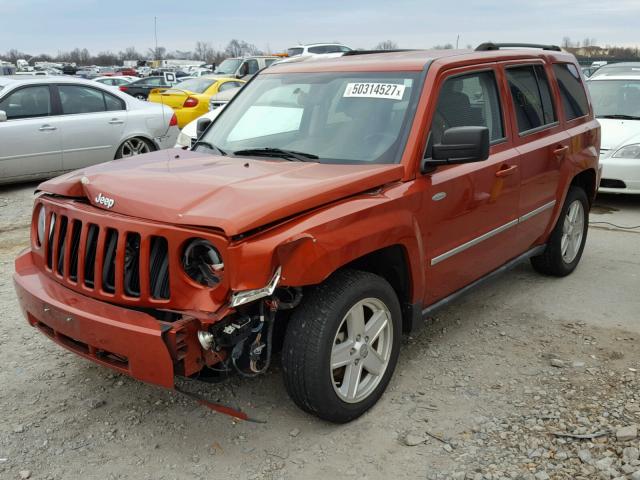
(125, 340)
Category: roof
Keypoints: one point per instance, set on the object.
(301, 45)
(31, 79)
(413, 60)
(619, 76)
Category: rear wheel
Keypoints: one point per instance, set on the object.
(134, 146)
(341, 346)
(568, 237)
(140, 96)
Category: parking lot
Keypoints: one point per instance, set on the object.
(493, 388)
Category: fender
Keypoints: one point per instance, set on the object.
(311, 247)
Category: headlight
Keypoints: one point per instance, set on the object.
(183, 140)
(41, 225)
(202, 262)
(628, 151)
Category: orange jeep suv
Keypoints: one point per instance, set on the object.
(332, 206)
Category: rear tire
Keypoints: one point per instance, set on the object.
(568, 237)
(134, 146)
(341, 345)
(140, 96)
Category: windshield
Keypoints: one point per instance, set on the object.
(615, 97)
(338, 117)
(229, 66)
(196, 85)
(292, 52)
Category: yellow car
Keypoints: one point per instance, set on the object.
(190, 99)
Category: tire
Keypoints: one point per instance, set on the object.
(134, 146)
(553, 261)
(319, 326)
(140, 96)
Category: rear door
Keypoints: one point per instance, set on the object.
(470, 210)
(543, 145)
(30, 143)
(92, 122)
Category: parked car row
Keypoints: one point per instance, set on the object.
(49, 125)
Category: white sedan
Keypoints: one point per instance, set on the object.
(114, 81)
(616, 101)
(50, 125)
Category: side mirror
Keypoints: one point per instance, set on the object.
(3, 116)
(459, 145)
(201, 126)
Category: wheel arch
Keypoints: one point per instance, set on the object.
(392, 264)
(586, 180)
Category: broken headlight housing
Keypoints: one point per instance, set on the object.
(202, 262)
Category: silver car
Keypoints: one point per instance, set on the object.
(50, 125)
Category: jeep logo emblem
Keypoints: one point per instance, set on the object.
(106, 201)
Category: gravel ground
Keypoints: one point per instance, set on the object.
(525, 378)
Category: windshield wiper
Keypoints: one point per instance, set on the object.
(210, 146)
(619, 117)
(277, 153)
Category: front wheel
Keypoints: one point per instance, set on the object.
(568, 237)
(140, 96)
(341, 345)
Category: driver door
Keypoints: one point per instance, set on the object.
(470, 210)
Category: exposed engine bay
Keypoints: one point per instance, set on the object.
(248, 336)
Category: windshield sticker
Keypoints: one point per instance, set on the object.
(392, 91)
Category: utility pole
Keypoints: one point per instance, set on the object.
(457, 41)
(155, 32)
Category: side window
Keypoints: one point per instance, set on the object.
(531, 97)
(574, 98)
(27, 102)
(156, 81)
(252, 67)
(113, 103)
(320, 49)
(228, 86)
(468, 100)
(77, 99)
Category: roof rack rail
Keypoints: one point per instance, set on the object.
(483, 47)
(369, 52)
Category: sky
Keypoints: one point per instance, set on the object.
(47, 26)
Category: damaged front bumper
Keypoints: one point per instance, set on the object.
(126, 340)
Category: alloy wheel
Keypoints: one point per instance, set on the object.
(134, 146)
(361, 350)
(572, 231)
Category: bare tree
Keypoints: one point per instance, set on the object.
(129, 53)
(204, 52)
(386, 45)
(240, 48)
(566, 42)
(446, 46)
(157, 53)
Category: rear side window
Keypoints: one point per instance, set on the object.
(468, 100)
(27, 102)
(77, 99)
(574, 98)
(531, 96)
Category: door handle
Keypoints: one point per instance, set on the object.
(47, 128)
(505, 172)
(560, 151)
(116, 121)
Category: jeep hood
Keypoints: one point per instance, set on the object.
(235, 194)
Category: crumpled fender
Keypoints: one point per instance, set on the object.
(311, 247)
